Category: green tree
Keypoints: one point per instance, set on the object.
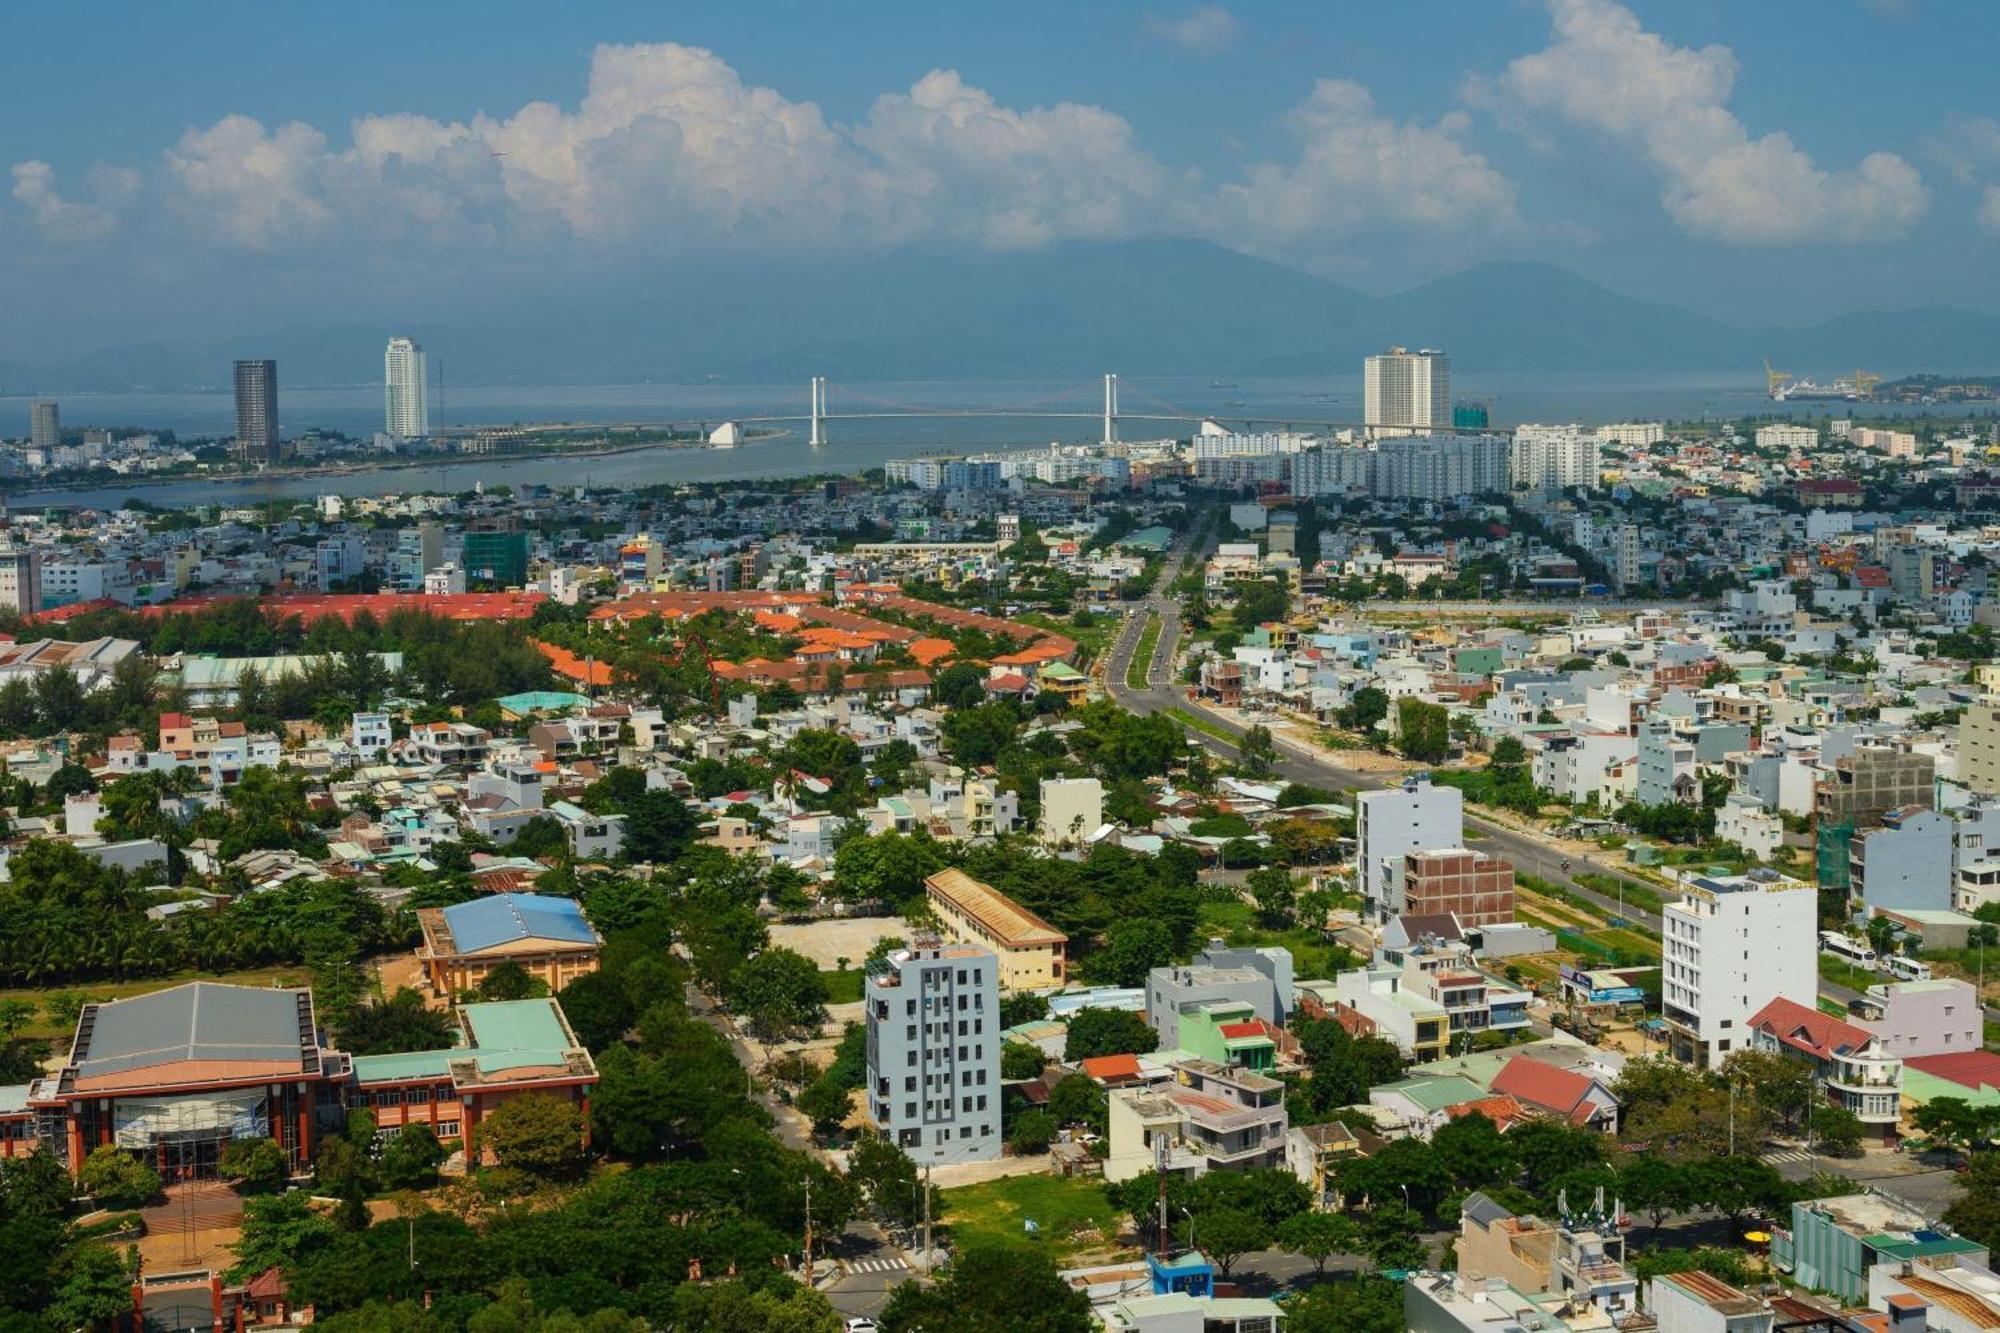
(401, 1023)
(887, 1176)
(1226, 1235)
(1272, 890)
(1423, 730)
(411, 1159)
(1319, 1236)
(826, 1104)
(1133, 947)
(1094, 1032)
(511, 981)
(1474, 1153)
(1657, 1186)
(960, 685)
(253, 1164)
(781, 991)
(1021, 1060)
(1836, 1130)
(1368, 1304)
(537, 1132)
(599, 1009)
(1078, 1099)
(1031, 1132)
(94, 1285)
(1365, 708)
(1257, 752)
(118, 1179)
(991, 1289)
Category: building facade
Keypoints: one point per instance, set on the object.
(1729, 947)
(933, 1051)
(406, 407)
(1033, 955)
(1389, 825)
(1405, 390)
(547, 938)
(1476, 888)
(257, 410)
(44, 424)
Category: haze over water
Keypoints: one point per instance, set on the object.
(855, 445)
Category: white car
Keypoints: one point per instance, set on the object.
(862, 1324)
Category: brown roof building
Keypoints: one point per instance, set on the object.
(1033, 954)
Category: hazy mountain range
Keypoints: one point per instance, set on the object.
(1167, 307)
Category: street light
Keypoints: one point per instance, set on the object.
(1190, 1217)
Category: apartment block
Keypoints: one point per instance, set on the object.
(933, 1014)
(1389, 825)
(1730, 946)
(1476, 888)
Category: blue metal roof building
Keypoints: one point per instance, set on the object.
(546, 936)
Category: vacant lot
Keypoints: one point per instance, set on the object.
(827, 942)
(1072, 1217)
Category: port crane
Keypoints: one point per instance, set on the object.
(1775, 380)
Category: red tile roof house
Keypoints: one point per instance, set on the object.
(1578, 1098)
(1852, 1066)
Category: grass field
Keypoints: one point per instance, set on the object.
(1071, 1215)
(1236, 923)
(119, 990)
(1843, 973)
(843, 987)
(1203, 725)
(1142, 656)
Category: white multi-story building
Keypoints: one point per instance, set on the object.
(20, 579)
(1632, 434)
(1072, 809)
(1333, 469)
(1730, 946)
(934, 1051)
(1554, 458)
(406, 405)
(1441, 467)
(1625, 555)
(1389, 825)
(1406, 391)
(1785, 435)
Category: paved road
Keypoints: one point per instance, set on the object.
(793, 1130)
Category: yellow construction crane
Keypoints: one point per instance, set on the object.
(1864, 384)
(1774, 380)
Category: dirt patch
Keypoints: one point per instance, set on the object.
(827, 942)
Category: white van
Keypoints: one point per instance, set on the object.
(1846, 946)
(1906, 969)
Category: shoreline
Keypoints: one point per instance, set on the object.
(396, 465)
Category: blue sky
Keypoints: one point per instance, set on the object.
(231, 166)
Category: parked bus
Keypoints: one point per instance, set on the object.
(1846, 946)
(1906, 969)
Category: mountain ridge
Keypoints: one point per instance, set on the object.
(1151, 307)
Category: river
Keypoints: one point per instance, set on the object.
(853, 445)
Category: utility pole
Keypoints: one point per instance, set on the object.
(927, 1217)
(1160, 1170)
(809, 1230)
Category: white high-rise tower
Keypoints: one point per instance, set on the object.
(1405, 392)
(406, 404)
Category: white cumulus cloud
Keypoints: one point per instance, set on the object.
(1605, 72)
(1359, 169)
(1204, 31)
(67, 221)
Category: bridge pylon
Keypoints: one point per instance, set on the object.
(1110, 409)
(818, 390)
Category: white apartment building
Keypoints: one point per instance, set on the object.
(933, 1016)
(1625, 555)
(1405, 391)
(1334, 469)
(1441, 467)
(406, 408)
(1389, 825)
(1730, 946)
(1785, 435)
(1632, 434)
(1554, 458)
(1072, 809)
(20, 579)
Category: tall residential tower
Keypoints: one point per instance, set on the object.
(257, 410)
(405, 393)
(1406, 392)
(44, 424)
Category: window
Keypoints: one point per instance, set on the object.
(909, 1110)
(909, 1083)
(965, 1131)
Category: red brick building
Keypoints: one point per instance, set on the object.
(1476, 888)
